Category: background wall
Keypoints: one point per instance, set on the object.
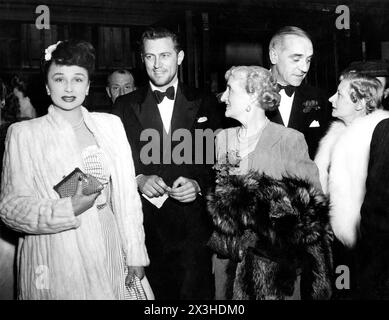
(214, 33)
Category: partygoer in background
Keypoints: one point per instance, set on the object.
(302, 107)
(261, 145)
(8, 238)
(372, 258)
(378, 69)
(20, 90)
(119, 82)
(343, 158)
(84, 246)
(176, 221)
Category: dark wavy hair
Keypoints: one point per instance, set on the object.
(364, 88)
(154, 33)
(72, 53)
(258, 80)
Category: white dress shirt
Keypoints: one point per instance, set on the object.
(285, 107)
(166, 107)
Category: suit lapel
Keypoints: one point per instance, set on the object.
(148, 113)
(185, 110)
(275, 116)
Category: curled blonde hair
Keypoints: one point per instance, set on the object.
(365, 88)
(260, 82)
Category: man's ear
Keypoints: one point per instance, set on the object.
(87, 88)
(273, 55)
(108, 92)
(180, 58)
(386, 93)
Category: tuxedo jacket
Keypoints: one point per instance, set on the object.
(375, 207)
(194, 112)
(302, 116)
(372, 256)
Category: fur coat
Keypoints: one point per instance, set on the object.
(273, 229)
(342, 159)
(66, 249)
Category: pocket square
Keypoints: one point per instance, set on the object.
(314, 124)
(202, 119)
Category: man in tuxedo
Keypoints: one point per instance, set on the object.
(302, 107)
(176, 222)
(372, 255)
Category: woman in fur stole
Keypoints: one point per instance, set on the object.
(264, 147)
(343, 156)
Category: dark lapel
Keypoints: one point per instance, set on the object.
(297, 116)
(147, 110)
(185, 109)
(275, 116)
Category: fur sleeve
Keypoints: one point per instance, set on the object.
(20, 208)
(347, 177)
(324, 153)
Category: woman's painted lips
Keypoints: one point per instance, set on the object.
(68, 99)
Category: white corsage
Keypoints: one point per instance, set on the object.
(50, 50)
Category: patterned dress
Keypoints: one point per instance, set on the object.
(95, 164)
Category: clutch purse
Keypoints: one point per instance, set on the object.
(135, 290)
(67, 187)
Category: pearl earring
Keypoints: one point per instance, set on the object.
(248, 109)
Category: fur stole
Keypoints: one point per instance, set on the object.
(273, 228)
(342, 159)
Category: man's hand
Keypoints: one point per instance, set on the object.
(152, 186)
(184, 190)
(138, 271)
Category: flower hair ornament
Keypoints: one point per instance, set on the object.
(49, 50)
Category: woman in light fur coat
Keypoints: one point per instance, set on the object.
(343, 153)
(84, 246)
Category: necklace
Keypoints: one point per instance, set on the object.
(255, 135)
(78, 125)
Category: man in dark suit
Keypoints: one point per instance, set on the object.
(173, 171)
(372, 257)
(302, 107)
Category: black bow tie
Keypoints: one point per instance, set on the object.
(289, 90)
(169, 93)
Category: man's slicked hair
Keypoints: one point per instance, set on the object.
(277, 39)
(120, 71)
(153, 33)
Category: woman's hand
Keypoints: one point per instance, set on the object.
(138, 271)
(81, 202)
